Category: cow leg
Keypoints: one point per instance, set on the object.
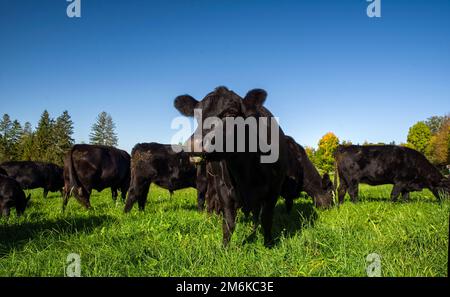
(200, 201)
(114, 194)
(405, 195)
(228, 224)
(342, 190)
(289, 204)
(66, 197)
(123, 194)
(45, 193)
(267, 220)
(353, 192)
(396, 190)
(256, 214)
(142, 200)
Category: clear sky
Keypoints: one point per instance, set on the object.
(325, 65)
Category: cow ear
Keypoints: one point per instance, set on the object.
(326, 182)
(186, 105)
(255, 98)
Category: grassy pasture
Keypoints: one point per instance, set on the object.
(172, 239)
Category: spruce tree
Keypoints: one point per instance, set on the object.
(10, 134)
(103, 131)
(44, 140)
(63, 131)
(27, 143)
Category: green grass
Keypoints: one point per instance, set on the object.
(172, 239)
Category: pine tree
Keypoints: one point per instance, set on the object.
(27, 143)
(44, 140)
(10, 134)
(5, 126)
(63, 131)
(103, 131)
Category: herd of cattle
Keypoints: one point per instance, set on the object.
(225, 182)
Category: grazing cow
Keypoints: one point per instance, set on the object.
(32, 175)
(405, 168)
(158, 163)
(11, 195)
(257, 184)
(302, 175)
(95, 167)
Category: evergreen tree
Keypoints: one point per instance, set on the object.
(63, 131)
(103, 131)
(44, 139)
(27, 143)
(10, 134)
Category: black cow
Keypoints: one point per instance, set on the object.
(11, 195)
(158, 163)
(32, 175)
(88, 167)
(257, 184)
(405, 168)
(302, 175)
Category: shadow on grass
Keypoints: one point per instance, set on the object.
(14, 236)
(303, 214)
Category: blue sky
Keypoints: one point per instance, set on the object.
(325, 65)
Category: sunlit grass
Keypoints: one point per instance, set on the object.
(172, 239)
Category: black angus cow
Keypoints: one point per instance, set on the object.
(160, 164)
(257, 184)
(405, 168)
(32, 175)
(11, 195)
(302, 175)
(95, 167)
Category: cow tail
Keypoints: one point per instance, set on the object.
(336, 181)
(335, 175)
(73, 177)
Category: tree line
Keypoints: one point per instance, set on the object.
(430, 137)
(51, 138)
